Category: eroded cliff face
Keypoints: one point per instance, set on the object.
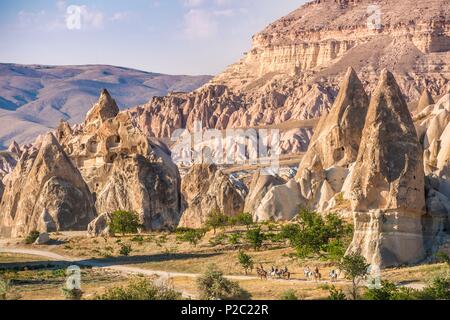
(323, 38)
(388, 185)
(293, 70)
(207, 189)
(45, 192)
(124, 169)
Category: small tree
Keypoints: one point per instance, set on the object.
(244, 219)
(193, 236)
(124, 222)
(355, 268)
(255, 238)
(216, 219)
(245, 261)
(212, 285)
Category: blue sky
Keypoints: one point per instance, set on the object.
(169, 36)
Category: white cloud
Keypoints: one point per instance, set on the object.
(199, 24)
(193, 3)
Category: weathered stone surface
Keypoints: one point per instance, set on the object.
(281, 203)
(123, 168)
(45, 180)
(206, 189)
(388, 195)
(425, 100)
(260, 185)
(43, 238)
(99, 226)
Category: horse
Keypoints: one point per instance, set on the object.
(261, 272)
(308, 273)
(333, 275)
(285, 274)
(317, 275)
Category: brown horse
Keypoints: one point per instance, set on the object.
(261, 272)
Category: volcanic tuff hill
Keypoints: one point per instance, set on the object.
(34, 98)
(293, 70)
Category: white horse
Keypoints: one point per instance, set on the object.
(308, 273)
(333, 275)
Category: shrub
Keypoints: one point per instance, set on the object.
(32, 237)
(192, 236)
(216, 219)
(255, 238)
(124, 222)
(125, 249)
(389, 291)
(234, 238)
(218, 240)
(245, 261)
(355, 267)
(290, 294)
(438, 288)
(244, 219)
(212, 285)
(140, 289)
(336, 294)
(138, 239)
(443, 258)
(72, 294)
(4, 287)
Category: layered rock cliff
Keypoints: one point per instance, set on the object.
(294, 67)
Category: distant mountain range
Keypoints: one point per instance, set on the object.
(34, 98)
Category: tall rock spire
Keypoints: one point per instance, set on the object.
(106, 108)
(388, 195)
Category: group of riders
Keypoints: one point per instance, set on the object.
(310, 274)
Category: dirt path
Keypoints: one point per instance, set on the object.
(134, 270)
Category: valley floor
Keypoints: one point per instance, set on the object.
(38, 272)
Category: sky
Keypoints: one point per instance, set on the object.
(168, 36)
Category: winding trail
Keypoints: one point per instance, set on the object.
(135, 270)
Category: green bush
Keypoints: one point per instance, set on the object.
(4, 288)
(124, 222)
(212, 285)
(245, 261)
(244, 219)
(443, 258)
(32, 237)
(289, 295)
(234, 238)
(193, 236)
(389, 291)
(216, 219)
(336, 294)
(125, 249)
(255, 237)
(314, 235)
(140, 289)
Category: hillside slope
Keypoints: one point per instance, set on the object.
(34, 98)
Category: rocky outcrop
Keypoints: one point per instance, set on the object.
(100, 226)
(336, 141)
(260, 185)
(45, 192)
(206, 189)
(425, 100)
(388, 195)
(334, 146)
(123, 168)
